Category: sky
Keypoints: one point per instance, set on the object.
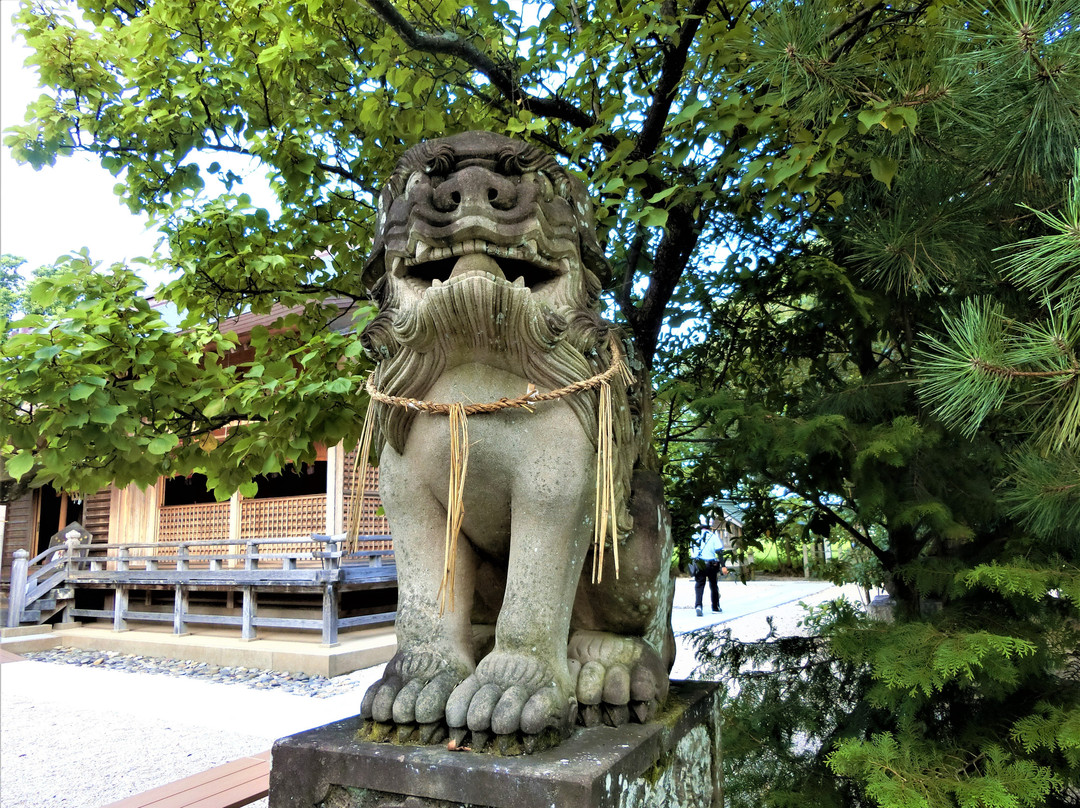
(47, 213)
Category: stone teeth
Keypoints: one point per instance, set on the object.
(519, 281)
(436, 283)
(395, 264)
(531, 247)
(423, 251)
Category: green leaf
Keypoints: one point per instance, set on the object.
(655, 217)
(214, 408)
(108, 414)
(868, 118)
(162, 445)
(884, 169)
(20, 464)
(81, 391)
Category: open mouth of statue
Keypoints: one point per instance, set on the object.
(521, 266)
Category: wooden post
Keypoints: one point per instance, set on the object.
(235, 512)
(20, 567)
(180, 596)
(335, 489)
(331, 557)
(120, 598)
(180, 610)
(330, 614)
(72, 557)
(72, 565)
(250, 608)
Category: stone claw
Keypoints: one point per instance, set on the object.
(432, 733)
(458, 735)
(413, 690)
(620, 678)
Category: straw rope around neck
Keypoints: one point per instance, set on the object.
(604, 517)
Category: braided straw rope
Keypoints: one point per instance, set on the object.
(459, 458)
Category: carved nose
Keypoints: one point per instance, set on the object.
(475, 188)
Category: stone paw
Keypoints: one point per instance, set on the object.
(412, 692)
(619, 679)
(511, 696)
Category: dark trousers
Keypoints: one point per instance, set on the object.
(706, 571)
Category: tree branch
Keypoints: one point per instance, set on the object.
(451, 44)
(671, 74)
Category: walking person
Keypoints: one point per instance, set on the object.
(708, 561)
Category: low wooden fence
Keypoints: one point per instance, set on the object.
(319, 564)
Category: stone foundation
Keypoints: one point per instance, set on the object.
(671, 762)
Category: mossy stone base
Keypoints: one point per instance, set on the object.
(672, 761)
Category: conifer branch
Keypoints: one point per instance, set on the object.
(1012, 373)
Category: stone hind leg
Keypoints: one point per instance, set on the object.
(434, 651)
(619, 678)
(622, 645)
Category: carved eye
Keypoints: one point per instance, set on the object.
(441, 161)
(414, 179)
(508, 162)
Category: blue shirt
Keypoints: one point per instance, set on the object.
(712, 548)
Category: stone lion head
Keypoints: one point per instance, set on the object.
(485, 250)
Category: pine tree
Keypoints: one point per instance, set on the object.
(920, 389)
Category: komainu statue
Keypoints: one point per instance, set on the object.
(533, 547)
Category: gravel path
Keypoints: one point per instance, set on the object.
(81, 729)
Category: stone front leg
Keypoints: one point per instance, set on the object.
(522, 690)
(434, 650)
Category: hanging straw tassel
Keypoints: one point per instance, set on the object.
(605, 488)
(455, 504)
(606, 512)
(359, 482)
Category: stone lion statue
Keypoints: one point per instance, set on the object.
(486, 271)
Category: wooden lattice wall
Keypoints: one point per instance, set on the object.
(372, 522)
(95, 516)
(283, 517)
(209, 522)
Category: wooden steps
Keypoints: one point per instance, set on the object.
(231, 785)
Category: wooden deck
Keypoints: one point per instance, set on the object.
(231, 785)
(318, 565)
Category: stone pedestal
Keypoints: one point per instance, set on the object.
(672, 762)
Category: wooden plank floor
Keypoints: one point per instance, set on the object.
(231, 785)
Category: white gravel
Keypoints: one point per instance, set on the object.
(78, 737)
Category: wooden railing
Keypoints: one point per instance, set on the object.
(315, 563)
(34, 579)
